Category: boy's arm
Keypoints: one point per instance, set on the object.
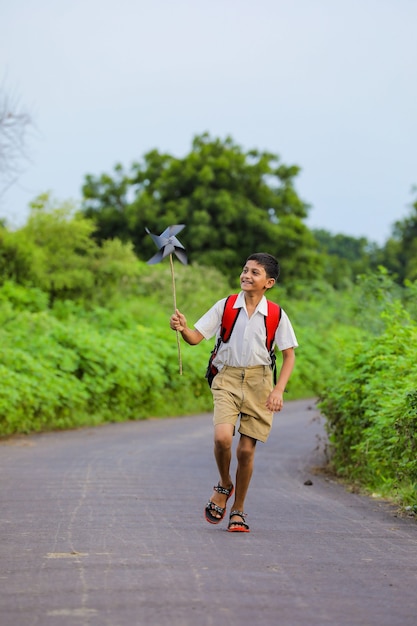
(190, 335)
(275, 399)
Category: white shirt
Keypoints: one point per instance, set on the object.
(246, 346)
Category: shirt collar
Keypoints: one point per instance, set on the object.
(261, 308)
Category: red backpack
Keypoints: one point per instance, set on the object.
(229, 318)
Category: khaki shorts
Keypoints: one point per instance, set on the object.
(243, 391)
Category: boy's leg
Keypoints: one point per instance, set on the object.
(223, 437)
(245, 460)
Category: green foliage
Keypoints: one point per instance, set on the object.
(233, 203)
(75, 364)
(370, 401)
(17, 256)
(22, 298)
(84, 371)
(325, 322)
(409, 297)
(55, 252)
(345, 257)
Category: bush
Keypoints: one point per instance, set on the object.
(65, 374)
(370, 405)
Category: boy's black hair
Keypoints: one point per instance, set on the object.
(268, 262)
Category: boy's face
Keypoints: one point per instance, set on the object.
(254, 279)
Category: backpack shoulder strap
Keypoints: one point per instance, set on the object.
(271, 323)
(229, 318)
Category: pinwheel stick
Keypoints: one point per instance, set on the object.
(171, 262)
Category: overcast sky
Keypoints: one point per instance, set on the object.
(329, 85)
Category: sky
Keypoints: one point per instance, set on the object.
(328, 85)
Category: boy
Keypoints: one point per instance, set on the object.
(243, 386)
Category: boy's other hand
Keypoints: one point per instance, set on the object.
(274, 401)
(178, 321)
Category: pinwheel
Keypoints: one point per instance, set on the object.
(167, 245)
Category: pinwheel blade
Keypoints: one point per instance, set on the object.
(180, 254)
(157, 258)
(158, 240)
(173, 230)
(176, 243)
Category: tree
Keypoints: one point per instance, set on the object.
(399, 254)
(346, 256)
(17, 257)
(232, 202)
(55, 251)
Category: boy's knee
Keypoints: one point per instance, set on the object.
(246, 450)
(223, 436)
(245, 455)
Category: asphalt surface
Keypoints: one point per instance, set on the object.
(104, 526)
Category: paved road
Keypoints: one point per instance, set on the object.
(105, 527)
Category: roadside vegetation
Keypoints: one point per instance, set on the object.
(84, 333)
